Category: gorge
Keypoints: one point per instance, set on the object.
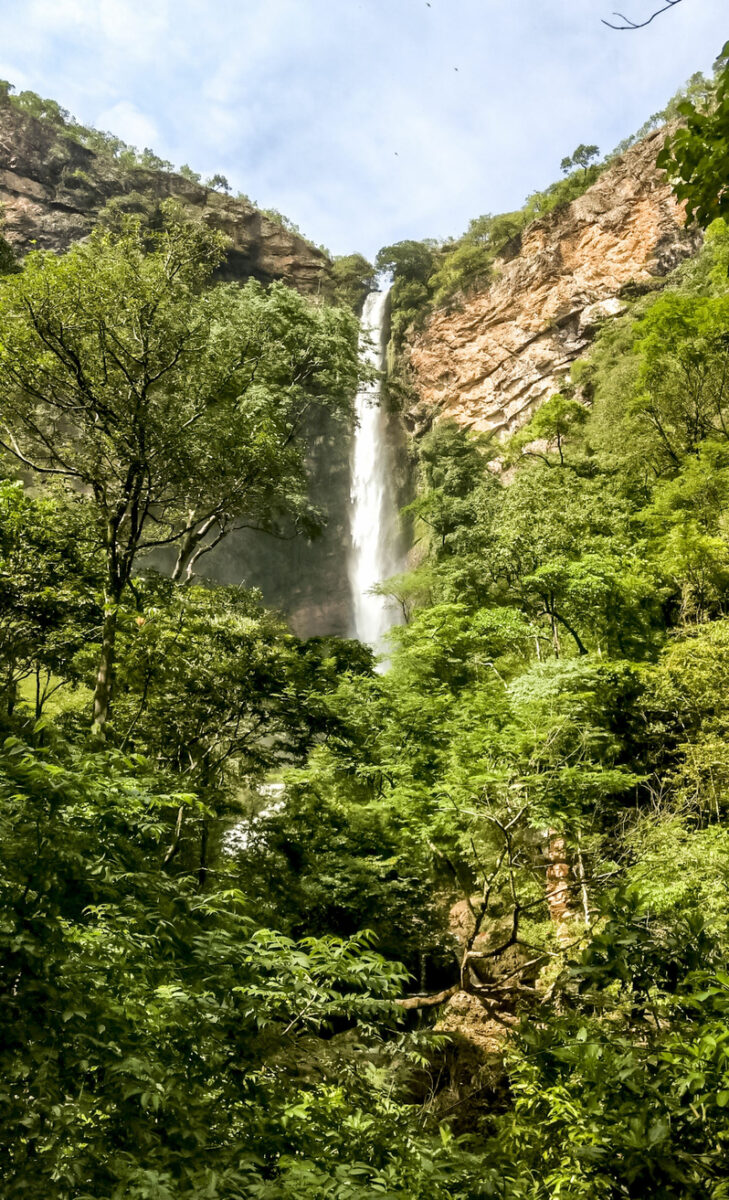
(485, 361)
(291, 910)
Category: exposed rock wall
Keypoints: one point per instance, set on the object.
(489, 363)
(52, 190)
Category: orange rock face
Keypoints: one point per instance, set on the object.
(489, 363)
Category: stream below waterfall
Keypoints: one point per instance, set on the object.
(375, 553)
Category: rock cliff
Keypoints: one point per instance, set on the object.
(489, 362)
(52, 190)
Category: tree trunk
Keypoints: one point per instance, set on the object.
(555, 634)
(193, 545)
(583, 885)
(184, 551)
(105, 670)
(175, 843)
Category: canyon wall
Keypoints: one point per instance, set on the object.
(488, 362)
(52, 190)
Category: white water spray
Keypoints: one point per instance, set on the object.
(374, 521)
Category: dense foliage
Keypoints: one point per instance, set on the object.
(548, 745)
(232, 910)
(353, 278)
(169, 1029)
(697, 153)
(180, 413)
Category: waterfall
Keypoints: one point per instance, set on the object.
(374, 520)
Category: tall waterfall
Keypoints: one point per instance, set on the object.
(374, 521)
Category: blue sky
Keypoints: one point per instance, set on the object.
(365, 121)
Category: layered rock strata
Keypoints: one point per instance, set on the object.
(52, 190)
(489, 362)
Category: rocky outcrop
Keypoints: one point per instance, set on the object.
(52, 190)
(489, 362)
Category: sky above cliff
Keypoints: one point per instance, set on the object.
(365, 121)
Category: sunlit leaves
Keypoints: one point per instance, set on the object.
(696, 156)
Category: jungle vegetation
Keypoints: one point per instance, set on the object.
(207, 994)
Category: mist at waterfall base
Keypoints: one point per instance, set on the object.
(375, 553)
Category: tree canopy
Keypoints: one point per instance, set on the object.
(178, 409)
(697, 154)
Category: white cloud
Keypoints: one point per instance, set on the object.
(12, 73)
(55, 15)
(304, 103)
(134, 25)
(126, 120)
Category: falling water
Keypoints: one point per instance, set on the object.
(374, 519)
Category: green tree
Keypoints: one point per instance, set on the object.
(680, 396)
(687, 520)
(410, 264)
(157, 1042)
(218, 182)
(696, 156)
(187, 173)
(468, 262)
(354, 278)
(625, 1093)
(408, 261)
(43, 110)
(553, 422)
(50, 581)
(216, 690)
(691, 719)
(582, 158)
(158, 403)
(153, 162)
(452, 465)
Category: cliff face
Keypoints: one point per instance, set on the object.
(489, 363)
(52, 190)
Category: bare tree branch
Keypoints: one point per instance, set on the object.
(13, 449)
(640, 24)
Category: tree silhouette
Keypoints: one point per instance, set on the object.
(218, 182)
